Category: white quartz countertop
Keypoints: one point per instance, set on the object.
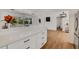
(7, 36)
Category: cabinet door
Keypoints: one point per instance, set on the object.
(36, 41)
(22, 44)
(44, 37)
(41, 39)
(33, 42)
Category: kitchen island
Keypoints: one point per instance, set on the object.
(32, 37)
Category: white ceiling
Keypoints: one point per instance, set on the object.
(31, 11)
(39, 10)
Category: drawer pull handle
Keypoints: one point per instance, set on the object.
(26, 40)
(27, 47)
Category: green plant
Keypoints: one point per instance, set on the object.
(25, 22)
(20, 21)
(14, 21)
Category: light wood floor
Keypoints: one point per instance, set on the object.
(58, 40)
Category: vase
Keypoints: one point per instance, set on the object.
(9, 25)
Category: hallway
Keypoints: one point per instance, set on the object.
(58, 40)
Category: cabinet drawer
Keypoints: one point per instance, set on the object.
(22, 44)
(44, 38)
(41, 39)
(44, 35)
(44, 32)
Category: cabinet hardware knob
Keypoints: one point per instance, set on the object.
(26, 40)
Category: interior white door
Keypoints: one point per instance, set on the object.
(59, 22)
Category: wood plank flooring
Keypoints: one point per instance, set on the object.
(58, 40)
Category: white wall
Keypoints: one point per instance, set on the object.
(52, 25)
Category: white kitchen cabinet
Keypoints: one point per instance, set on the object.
(28, 43)
(41, 39)
(44, 37)
(38, 40)
(35, 41)
(21, 44)
(32, 37)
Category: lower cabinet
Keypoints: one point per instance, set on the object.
(22, 44)
(41, 39)
(35, 41)
(44, 38)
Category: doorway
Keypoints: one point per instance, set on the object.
(59, 23)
